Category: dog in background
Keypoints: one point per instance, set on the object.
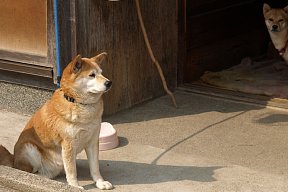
(65, 125)
(276, 21)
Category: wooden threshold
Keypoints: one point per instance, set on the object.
(208, 90)
(24, 58)
(27, 80)
(26, 68)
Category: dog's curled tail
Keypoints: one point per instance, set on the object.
(6, 158)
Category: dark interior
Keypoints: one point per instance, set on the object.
(219, 33)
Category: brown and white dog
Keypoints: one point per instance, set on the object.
(65, 125)
(276, 21)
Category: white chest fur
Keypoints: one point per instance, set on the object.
(81, 134)
(80, 114)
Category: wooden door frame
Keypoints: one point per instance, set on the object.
(182, 48)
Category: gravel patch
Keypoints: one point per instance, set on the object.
(22, 99)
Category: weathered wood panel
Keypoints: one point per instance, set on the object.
(113, 27)
(24, 26)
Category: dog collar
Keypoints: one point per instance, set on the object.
(71, 99)
(283, 50)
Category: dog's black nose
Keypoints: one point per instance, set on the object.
(108, 84)
(274, 27)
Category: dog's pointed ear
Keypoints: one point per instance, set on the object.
(99, 58)
(286, 9)
(76, 64)
(266, 8)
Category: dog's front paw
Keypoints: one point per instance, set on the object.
(78, 186)
(75, 184)
(100, 184)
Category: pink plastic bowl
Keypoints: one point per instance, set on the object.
(108, 137)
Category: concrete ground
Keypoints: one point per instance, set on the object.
(206, 144)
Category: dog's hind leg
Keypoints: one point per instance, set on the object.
(29, 158)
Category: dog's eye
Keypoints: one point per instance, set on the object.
(280, 20)
(270, 19)
(92, 75)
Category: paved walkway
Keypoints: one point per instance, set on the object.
(207, 145)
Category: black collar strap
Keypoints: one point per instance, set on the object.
(70, 99)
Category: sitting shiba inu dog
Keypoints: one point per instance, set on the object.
(277, 24)
(65, 125)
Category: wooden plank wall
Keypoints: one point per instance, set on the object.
(113, 27)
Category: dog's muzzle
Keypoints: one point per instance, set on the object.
(275, 28)
(108, 84)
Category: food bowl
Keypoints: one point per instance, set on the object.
(108, 138)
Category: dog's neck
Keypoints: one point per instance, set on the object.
(280, 40)
(71, 99)
(283, 50)
(84, 101)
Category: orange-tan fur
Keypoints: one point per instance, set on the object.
(60, 128)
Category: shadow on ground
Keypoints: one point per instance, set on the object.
(188, 104)
(130, 173)
(273, 118)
